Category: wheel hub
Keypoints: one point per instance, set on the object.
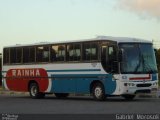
(34, 90)
(98, 92)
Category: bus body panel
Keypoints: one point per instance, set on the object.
(77, 80)
(69, 76)
(18, 79)
(134, 83)
(80, 83)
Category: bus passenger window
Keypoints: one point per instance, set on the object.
(32, 54)
(57, 53)
(28, 54)
(12, 55)
(15, 55)
(18, 55)
(74, 52)
(6, 56)
(70, 53)
(94, 51)
(77, 55)
(42, 54)
(90, 51)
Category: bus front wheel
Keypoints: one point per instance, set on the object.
(34, 91)
(98, 92)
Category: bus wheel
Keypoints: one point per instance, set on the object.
(61, 95)
(98, 92)
(128, 97)
(34, 91)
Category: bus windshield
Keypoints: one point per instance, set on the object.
(138, 58)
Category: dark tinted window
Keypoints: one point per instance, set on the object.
(15, 55)
(12, 55)
(19, 55)
(58, 53)
(6, 55)
(74, 52)
(42, 54)
(28, 54)
(90, 51)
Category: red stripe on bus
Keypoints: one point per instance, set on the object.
(18, 79)
(141, 78)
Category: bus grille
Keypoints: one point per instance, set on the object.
(143, 91)
(144, 85)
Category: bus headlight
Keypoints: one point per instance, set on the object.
(155, 83)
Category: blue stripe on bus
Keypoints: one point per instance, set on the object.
(80, 83)
(75, 70)
(79, 75)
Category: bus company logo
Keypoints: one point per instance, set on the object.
(25, 72)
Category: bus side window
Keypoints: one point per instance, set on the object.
(12, 55)
(53, 50)
(6, 56)
(32, 54)
(42, 54)
(94, 51)
(57, 53)
(15, 55)
(90, 51)
(18, 55)
(28, 54)
(77, 55)
(74, 52)
(86, 51)
(61, 53)
(70, 52)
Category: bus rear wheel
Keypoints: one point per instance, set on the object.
(61, 95)
(34, 91)
(98, 92)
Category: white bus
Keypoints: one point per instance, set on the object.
(103, 66)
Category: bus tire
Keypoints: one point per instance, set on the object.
(34, 91)
(98, 92)
(128, 97)
(61, 95)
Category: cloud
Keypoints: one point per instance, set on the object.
(145, 8)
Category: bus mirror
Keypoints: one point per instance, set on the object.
(155, 51)
(120, 54)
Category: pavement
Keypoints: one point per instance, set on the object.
(6, 92)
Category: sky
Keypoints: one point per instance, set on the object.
(34, 21)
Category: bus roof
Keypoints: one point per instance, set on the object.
(98, 38)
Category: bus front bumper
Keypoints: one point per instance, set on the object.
(139, 87)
